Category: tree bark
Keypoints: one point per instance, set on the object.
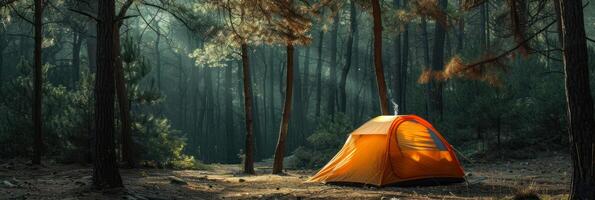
(280, 149)
(76, 57)
(319, 73)
(123, 104)
(436, 110)
(37, 85)
(395, 75)
(427, 63)
(518, 21)
(229, 129)
(92, 39)
(249, 157)
(348, 53)
(580, 102)
(105, 168)
(483, 23)
(378, 57)
(404, 66)
(158, 56)
(332, 82)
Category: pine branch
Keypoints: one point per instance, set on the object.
(85, 14)
(506, 53)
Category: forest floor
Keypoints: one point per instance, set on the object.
(548, 176)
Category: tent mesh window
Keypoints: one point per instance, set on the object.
(412, 136)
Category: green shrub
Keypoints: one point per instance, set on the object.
(323, 144)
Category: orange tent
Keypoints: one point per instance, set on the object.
(402, 149)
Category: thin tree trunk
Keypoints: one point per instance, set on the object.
(123, 104)
(436, 110)
(280, 149)
(404, 66)
(249, 157)
(92, 39)
(158, 57)
(319, 73)
(332, 82)
(378, 57)
(519, 21)
(105, 168)
(427, 63)
(395, 75)
(37, 82)
(348, 53)
(76, 57)
(271, 95)
(580, 102)
(91, 48)
(306, 81)
(229, 130)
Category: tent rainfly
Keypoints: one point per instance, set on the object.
(400, 150)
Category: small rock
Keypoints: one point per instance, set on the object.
(177, 181)
(241, 180)
(468, 174)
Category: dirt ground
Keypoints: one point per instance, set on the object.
(548, 176)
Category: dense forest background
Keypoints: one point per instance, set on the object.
(185, 83)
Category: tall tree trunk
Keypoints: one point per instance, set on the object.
(249, 157)
(404, 67)
(436, 109)
(37, 82)
(92, 38)
(123, 103)
(76, 57)
(105, 168)
(271, 98)
(91, 49)
(229, 130)
(378, 57)
(319, 73)
(332, 82)
(280, 149)
(519, 22)
(580, 102)
(158, 57)
(348, 53)
(395, 75)
(427, 62)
